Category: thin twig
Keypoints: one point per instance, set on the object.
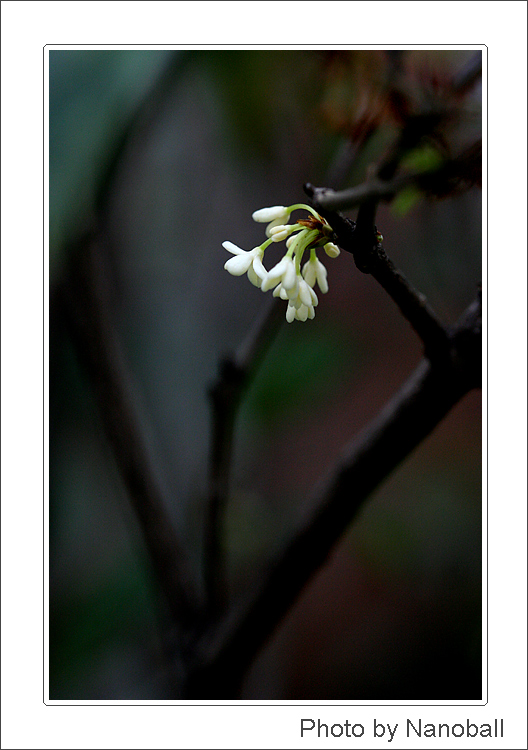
(412, 304)
(374, 189)
(428, 395)
(236, 373)
(437, 180)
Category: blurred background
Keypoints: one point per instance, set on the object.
(396, 612)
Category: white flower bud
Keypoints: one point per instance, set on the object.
(332, 250)
(252, 276)
(309, 273)
(304, 293)
(238, 265)
(280, 232)
(290, 313)
(273, 224)
(314, 270)
(232, 248)
(321, 277)
(275, 274)
(258, 266)
(265, 215)
(289, 279)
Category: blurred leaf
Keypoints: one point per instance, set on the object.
(423, 158)
(406, 200)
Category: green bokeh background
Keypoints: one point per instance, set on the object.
(396, 612)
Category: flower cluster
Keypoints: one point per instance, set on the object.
(289, 279)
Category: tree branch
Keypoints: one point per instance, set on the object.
(140, 123)
(437, 181)
(423, 401)
(236, 373)
(371, 258)
(84, 297)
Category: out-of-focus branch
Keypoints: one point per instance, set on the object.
(437, 181)
(84, 298)
(423, 401)
(236, 373)
(375, 189)
(140, 123)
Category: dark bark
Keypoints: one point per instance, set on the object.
(226, 394)
(421, 404)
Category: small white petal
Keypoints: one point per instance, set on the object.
(304, 292)
(289, 279)
(283, 294)
(258, 267)
(311, 312)
(279, 268)
(309, 272)
(268, 284)
(290, 313)
(277, 291)
(293, 294)
(264, 215)
(230, 247)
(252, 276)
(313, 295)
(302, 313)
(238, 265)
(274, 275)
(321, 277)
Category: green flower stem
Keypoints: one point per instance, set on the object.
(309, 236)
(266, 244)
(305, 207)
